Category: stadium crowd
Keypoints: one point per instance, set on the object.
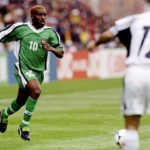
(73, 20)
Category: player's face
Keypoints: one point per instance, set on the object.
(38, 18)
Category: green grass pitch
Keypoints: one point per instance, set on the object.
(71, 115)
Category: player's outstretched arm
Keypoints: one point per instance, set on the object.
(48, 47)
(104, 37)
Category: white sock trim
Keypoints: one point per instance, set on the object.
(6, 112)
(28, 112)
(131, 139)
(25, 122)
(11, 109)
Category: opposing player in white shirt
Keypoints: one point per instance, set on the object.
(134, 33)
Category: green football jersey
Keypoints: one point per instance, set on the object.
(28, 48)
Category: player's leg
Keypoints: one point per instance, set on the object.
(34, 90)
(132, 122)
(14, 107)
(131, 136)
(16, 104)
(31, 80)
(133, 105)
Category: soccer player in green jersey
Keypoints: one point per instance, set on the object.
(33, 40)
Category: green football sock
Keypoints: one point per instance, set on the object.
(30, 105)
(11, 109)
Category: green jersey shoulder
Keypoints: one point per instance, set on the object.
(28, 48)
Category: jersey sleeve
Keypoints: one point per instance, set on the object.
(54, 41)
(122, 24)
(10, 33)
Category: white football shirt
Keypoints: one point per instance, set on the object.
(134, 33)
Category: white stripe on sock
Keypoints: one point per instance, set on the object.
(25, 122)
(6, 112)
(28, 112)
(12, 109)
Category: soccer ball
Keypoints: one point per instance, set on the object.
(120, 137)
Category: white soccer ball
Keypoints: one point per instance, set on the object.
(120, 137)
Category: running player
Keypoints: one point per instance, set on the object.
(134, 34)
(33, 40)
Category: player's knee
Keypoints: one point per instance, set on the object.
(36, 92)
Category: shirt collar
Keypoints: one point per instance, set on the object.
(34, 29)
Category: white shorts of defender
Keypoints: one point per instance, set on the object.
(136, 90)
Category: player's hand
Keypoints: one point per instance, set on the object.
(91, 46)
(59, 53)
(46, 45)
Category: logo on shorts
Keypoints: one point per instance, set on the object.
(30, 74)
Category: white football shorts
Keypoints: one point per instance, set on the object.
(136, 91)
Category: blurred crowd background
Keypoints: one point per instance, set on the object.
(77, 21)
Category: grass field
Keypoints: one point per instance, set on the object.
(71, 115)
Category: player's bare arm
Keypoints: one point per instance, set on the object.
(104, 37)
(48, 47)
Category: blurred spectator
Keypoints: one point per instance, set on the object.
(74, 20)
